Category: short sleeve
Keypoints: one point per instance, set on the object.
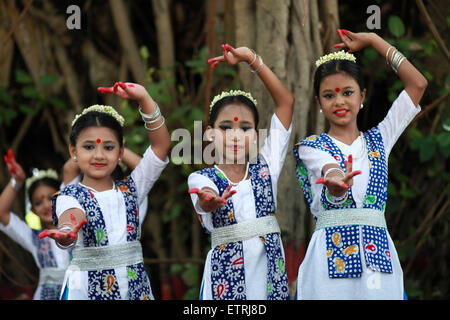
(147, 172)
(275, 146)
(315, 160)
(400, 115)
(64, 203)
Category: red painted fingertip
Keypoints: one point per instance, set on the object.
(338, 45)
(131, 85)
(350, 158)
(344, 31)
(43, 234)
(340, 32)
(224, 201)
(10, 154)
(357, 172)
(73, 235)
(214, 65)
(345, 186)
(233, 192)
(207, 198)
(116, 87)
(193, 190)
(349, 51)
(320, 180)
(228, 188)
(123, 85)
(57, 236)
(211, 60)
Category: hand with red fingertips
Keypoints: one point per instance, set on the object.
(353, 41)
(64, 237)
(209, 200)
(232, 56)
(125, 90)
(14, 168)
(337, 185)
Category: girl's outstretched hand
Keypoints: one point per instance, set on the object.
(13, 167)
(338, 185)
(67, 236)
(353, 41)
(209, 200)
(126, 90)
(232, 56)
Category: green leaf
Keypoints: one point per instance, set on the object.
(396, 26)
(427, 149)
(48, 79)
(30, 92)
(23, 77)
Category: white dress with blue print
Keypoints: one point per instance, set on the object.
(255, 266)
(113, 208)
(313, 280)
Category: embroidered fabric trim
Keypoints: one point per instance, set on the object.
(51, 276)
(107, 257)
(355, 216)
(244, 230)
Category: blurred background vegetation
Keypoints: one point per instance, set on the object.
(48, 73)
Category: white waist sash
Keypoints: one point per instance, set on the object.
(353, 216)
(51, 276)
(244, 230)
(108, 257)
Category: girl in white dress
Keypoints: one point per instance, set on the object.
(51, 260)
(107, 259)
(236, 199)
(351, 255)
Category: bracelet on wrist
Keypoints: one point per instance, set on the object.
(14, 184)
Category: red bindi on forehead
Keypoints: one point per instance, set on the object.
(99, 140)
(236, 119)
(43, 196)
(337, 89)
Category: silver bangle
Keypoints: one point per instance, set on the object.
(65, 227)
(154, 121)
(336, 200)
(146, 117)
(334, 169)
(397, 60)
(387, 55)
(153, 129)
(254, 59)
(259, 67)
(14, 184)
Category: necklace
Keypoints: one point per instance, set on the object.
(113, 188)
(234, 184)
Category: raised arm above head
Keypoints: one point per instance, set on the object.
(282, 97)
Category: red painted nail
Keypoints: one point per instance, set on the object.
(320, 180)
(193, 190)
(214, 65)
(131, 85)
(43, 234)
(207, 198)
(349, 51)
(73, 235)
(228, 188)
(123, 85)
(224, 201)
(344, 31)
(233, 192)
(345, 186)
(338, 45)
(355, 173)
(340, 32)
(211, 60)
(350, 158)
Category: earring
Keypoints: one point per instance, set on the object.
(75, 159)
(320, 111)
(362, 106)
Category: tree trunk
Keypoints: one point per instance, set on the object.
(274, 29)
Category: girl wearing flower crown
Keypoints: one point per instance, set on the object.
(51, 260)
(351, 255)
(236, 199)
(107, 260)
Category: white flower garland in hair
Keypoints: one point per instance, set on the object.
(340, 55)
(104, 109)
(232, 93)
(40, 174)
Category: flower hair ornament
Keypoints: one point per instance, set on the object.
(340, 55)
(103, 109)
(39, 175)
(232, 93)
